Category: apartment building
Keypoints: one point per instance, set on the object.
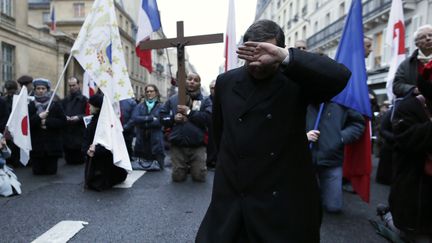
(320, 23)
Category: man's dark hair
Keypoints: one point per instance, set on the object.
(73, 77)
(25, 79)
(264, 30)
(10, 85)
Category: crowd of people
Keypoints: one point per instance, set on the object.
(277, 168)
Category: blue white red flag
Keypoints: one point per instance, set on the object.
(148, 22)
(357, 156)
(53, 25)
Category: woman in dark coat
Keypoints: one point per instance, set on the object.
(411, 192)
(100, 171)
(45, 129)
(149, 143)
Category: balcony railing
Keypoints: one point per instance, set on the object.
(370, 8)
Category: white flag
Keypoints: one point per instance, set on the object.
(99, 50)
(230, 39)
(18, 125)
(109, 133)
(395, 38)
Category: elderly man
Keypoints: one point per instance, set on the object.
(406, 77)
(74, 106)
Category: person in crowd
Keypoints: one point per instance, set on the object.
(301, 45)
(410, 197)
(407, 74)
(149, 144)
(127, 106)
(385, 171)
(265, 189)
(367, 43)
(74, 106)
(11, 88)
(4, 114)
(189, 124)
(46, 129)
(27, 81)
(211, 146)
(100, 171)
(337, 126)
(9, 184)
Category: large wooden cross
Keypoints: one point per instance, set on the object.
(180, 42)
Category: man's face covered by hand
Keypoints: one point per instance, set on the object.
(193, 82)
(265, 71)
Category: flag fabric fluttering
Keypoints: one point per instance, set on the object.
(99, 50)
(109, 133)
(18, 125)
(395, 38)
(230, 39)
(148, 22)
(53, 24)
(357, 164)
(89, 89)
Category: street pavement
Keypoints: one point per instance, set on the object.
(153, 210)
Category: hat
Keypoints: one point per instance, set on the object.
(96, 100)
(42, 81)
(25, 79)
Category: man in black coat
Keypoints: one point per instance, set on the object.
(74, 106)
(264, 187)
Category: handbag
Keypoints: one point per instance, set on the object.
(147, 165)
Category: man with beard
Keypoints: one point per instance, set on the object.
(74, 106)
(189, 123)
(265, 189)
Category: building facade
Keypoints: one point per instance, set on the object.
(320, 23)
(26, 49)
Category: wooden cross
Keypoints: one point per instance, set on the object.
(180, 42)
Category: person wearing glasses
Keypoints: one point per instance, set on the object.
(407, 74)
(148, 129)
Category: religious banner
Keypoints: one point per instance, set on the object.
(99, 50)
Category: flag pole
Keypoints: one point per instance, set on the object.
(58, 81)
(321, 108)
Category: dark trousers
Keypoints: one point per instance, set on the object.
(73, 156)
(46, 165)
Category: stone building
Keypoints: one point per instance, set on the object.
(26, 49)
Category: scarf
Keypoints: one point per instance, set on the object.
(191, 96)
(422, 58)
(150, 104)
(41, 102)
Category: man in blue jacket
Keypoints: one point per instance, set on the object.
(337, 126)
(189, 124)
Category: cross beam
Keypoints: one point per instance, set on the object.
(180, 42)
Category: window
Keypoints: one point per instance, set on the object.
(46, 17)
(6, 7)
(7, 62)
(327, 19)
(377, 50)
(304, 33)
(79, 10)
(341, 10)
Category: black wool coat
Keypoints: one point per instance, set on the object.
(73, 134)
(410, 197)
(264, 187)
(47, 141)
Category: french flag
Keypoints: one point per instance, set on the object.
(357, 165)
(148, 22)
(230, 39)
(53, 25)
(89, 89)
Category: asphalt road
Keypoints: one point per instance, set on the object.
(153, 210)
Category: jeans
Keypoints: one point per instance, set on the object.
(330, 183)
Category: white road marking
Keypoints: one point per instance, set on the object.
(131, 178)
(61, 232)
